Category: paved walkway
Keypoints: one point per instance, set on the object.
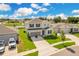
(43, 47)
(73, 38)
(60, 43)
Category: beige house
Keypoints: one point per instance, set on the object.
(67, 28)
(6, 34)
(38, 27)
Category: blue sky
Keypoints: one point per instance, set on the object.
(24, 10)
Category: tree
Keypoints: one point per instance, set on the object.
(57, 19)
(73, 19)
(63, 37)
(55, 33)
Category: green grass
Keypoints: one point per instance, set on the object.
(76, 34)
(52, 39)
(12, 24)
(32, 54)
(66, 44)
(25, 42)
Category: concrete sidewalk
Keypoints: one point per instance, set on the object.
(73, 38)
(43, 47)
(61, 42)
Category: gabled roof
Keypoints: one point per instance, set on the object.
(5, 30)
(64, 25)
(34, 21)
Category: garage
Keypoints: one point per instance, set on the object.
(35, 33)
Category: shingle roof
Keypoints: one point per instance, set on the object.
(64, 25)
(5, 30)
(33, 21)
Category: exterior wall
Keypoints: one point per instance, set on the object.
(40, 31)
(42, 25)
(47, 31)
(66, 30)
(26, 25)
(7, 36)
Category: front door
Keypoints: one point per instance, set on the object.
(43, 32)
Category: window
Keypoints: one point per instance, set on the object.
(31, 25)
(49, 31)
(75, 29)
(37, 25)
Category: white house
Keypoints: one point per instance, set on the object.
(38, 27)
(67, 28)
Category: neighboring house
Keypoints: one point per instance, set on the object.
(38, 27)
(6, 34)
(67, 28)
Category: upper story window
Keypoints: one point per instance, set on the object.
(31, 25)
(37, 25)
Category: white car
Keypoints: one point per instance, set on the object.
(12, 43)
(2, 46)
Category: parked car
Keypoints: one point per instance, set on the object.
(2, 46)
(12, 43)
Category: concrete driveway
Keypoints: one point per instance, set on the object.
(8, 52)
(73, 38)
(43, 47)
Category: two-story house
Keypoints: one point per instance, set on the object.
(37, 27)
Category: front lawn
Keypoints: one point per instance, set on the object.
(76, 34)
(25, 41)
(32, 54)
(66, 44)
(52, 39)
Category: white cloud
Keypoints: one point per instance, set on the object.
(4, 7)
(35, 6)
(62, 15)
(75, 15)
(43, 9)
(35, 12)
(3, 16)
(24, 11)
(19, 3)
(39, 8)
(46, 4)
(75, 11)
(50, 16)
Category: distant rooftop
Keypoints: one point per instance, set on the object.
(64, 25)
